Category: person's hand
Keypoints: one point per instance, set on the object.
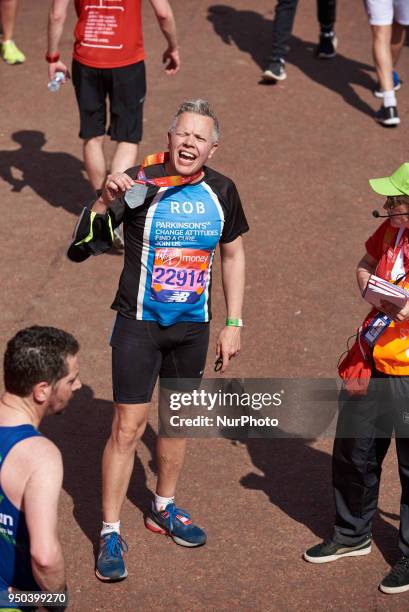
(394, 312)
(228, 345)
(171, 59)
(115, 186)
(58, 67)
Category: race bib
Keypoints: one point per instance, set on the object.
(179, 275)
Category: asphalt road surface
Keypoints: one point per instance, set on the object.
(301, 153)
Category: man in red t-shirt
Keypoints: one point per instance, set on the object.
(108, 61)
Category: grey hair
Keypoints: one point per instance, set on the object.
(199, 107)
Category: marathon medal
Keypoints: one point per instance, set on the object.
(135, 196)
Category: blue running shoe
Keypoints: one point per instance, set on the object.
(175, 523)
(396, 86)
(110, 564)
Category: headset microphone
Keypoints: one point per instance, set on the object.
(377, 214)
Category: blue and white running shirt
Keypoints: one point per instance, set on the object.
(170, 243)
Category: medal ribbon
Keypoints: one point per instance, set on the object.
(163, 181)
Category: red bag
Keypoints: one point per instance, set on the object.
(356, 367)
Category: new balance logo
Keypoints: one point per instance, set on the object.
(179, 297)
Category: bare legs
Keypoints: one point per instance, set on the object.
(8, 18)
(9, 51)
(127, 428)
(170, 455)
(382, 54)
(387, 43)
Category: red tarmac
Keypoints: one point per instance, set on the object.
(301, 153)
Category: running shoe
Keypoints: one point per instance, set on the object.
(327, 45)
(275, 71)
(175, 523)
(11, 53)
(110, 564)
(378, 93)
(332, 551)
(387, 116)
(397, 581)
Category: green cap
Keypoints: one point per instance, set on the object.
(395, 185)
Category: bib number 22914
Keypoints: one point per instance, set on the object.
(179, 275)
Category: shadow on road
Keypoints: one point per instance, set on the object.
(297, 479)
(57, 178)
(81, 433)
(251, 33)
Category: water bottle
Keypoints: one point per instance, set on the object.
(55, 83)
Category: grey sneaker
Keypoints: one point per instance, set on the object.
(331, 551)
(275, 71)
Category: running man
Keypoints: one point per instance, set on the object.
(388, 20)
(40, 376)
(108, 63)
(181, 211)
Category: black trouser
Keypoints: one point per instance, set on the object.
(364, 430)
(284, 20)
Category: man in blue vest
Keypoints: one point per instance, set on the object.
(40, 376)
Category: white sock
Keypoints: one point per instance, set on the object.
(162, 502)
(108, 527)
(389, 98)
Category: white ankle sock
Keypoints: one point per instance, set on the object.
(108, 527)
(162, 502)
(389, 98)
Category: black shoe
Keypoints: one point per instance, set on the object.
(326, 48)
(387, 115)
(397, 581)
(275, 71)
(331, 551)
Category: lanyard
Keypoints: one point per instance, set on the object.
(388, 260)
(164, 181)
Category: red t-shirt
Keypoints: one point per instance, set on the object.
(108, 33)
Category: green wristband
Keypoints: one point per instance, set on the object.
(234, 322)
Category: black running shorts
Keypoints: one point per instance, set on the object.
(142, 350)
(125, 88)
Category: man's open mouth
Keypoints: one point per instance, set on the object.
(187, 155)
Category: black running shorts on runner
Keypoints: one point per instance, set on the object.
(125, 87)
(142, 350)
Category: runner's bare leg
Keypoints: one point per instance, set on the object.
(128, 425)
